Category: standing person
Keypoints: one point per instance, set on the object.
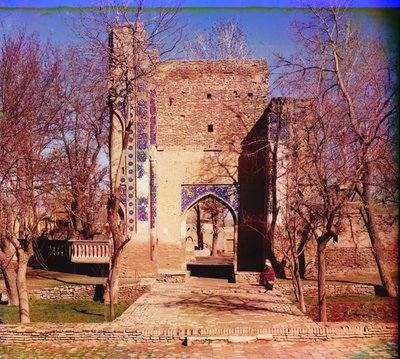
(267, 278)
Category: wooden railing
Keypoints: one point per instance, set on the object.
(89, 251)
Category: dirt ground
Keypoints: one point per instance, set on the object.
(359, 309)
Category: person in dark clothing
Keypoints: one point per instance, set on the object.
(267, 278)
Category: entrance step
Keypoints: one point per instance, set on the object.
(192, 340)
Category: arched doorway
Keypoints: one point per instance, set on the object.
(210, 238)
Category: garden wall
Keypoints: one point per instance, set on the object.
(79, 292)
(98, 333)
(311, 290)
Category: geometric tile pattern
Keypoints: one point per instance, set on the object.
(227, 193)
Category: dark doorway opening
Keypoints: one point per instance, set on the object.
(209, 267)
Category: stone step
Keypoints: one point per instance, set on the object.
(192, 340)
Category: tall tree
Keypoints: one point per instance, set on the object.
(224, 41)
(348, 78)
(28, 72)
(83, 134)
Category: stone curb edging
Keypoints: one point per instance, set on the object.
(86, 333)
(227, 339)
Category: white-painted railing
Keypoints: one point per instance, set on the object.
(89, 251)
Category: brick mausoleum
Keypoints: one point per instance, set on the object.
(191, 118)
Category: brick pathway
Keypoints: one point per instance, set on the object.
(345, 349)
(208, 303)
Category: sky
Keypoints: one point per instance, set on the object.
(268, 29)
(196, 3)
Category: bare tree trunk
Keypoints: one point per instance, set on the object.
(24, 315)
(299, 284)
(296, 278)
(10, 279)
(119, 242)
(77, 214)
(302, 304)
(113, 285)
(214, 219)
(199, 230)
(321, 282)
(322, 243)
(214, 243)
(377, 246)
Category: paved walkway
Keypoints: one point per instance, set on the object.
(212, 303)
(361, 349)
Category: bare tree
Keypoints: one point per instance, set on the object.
(225, 41)
(347, 78)
(131, 40)
(214, 211)
(285, 228)
(8, 264)
(83, 133)
(199, 227)
(28, 72)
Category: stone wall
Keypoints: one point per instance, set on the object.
(332, 290)
(311, 290)
(79, 292)
(344, 259)
(103, 332)
(353, 249)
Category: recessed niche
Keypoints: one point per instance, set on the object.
(210, 128)
(209, 96)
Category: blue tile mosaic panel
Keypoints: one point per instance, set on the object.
(140, 171)
(228, 193)
(123, 195)
(142, 87)
(153, 198)
(153, 120)
(143, 203)
(142, 108)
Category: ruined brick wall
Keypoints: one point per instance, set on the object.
(230, 96)
(353, 250)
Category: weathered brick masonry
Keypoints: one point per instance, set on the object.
(229, 95)
(100, 333)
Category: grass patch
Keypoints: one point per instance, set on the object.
(361, 277)
(369, 298)
(363, 308)
(84, 311)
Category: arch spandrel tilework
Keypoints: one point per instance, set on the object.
(226, 192)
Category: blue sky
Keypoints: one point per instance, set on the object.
(202, 3)
(266, 29)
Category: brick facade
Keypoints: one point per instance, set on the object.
(190, 120)
(227, 95)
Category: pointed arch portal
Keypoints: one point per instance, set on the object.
(198, 259)
(226, 193)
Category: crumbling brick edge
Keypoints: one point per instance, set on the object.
(95, 333)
